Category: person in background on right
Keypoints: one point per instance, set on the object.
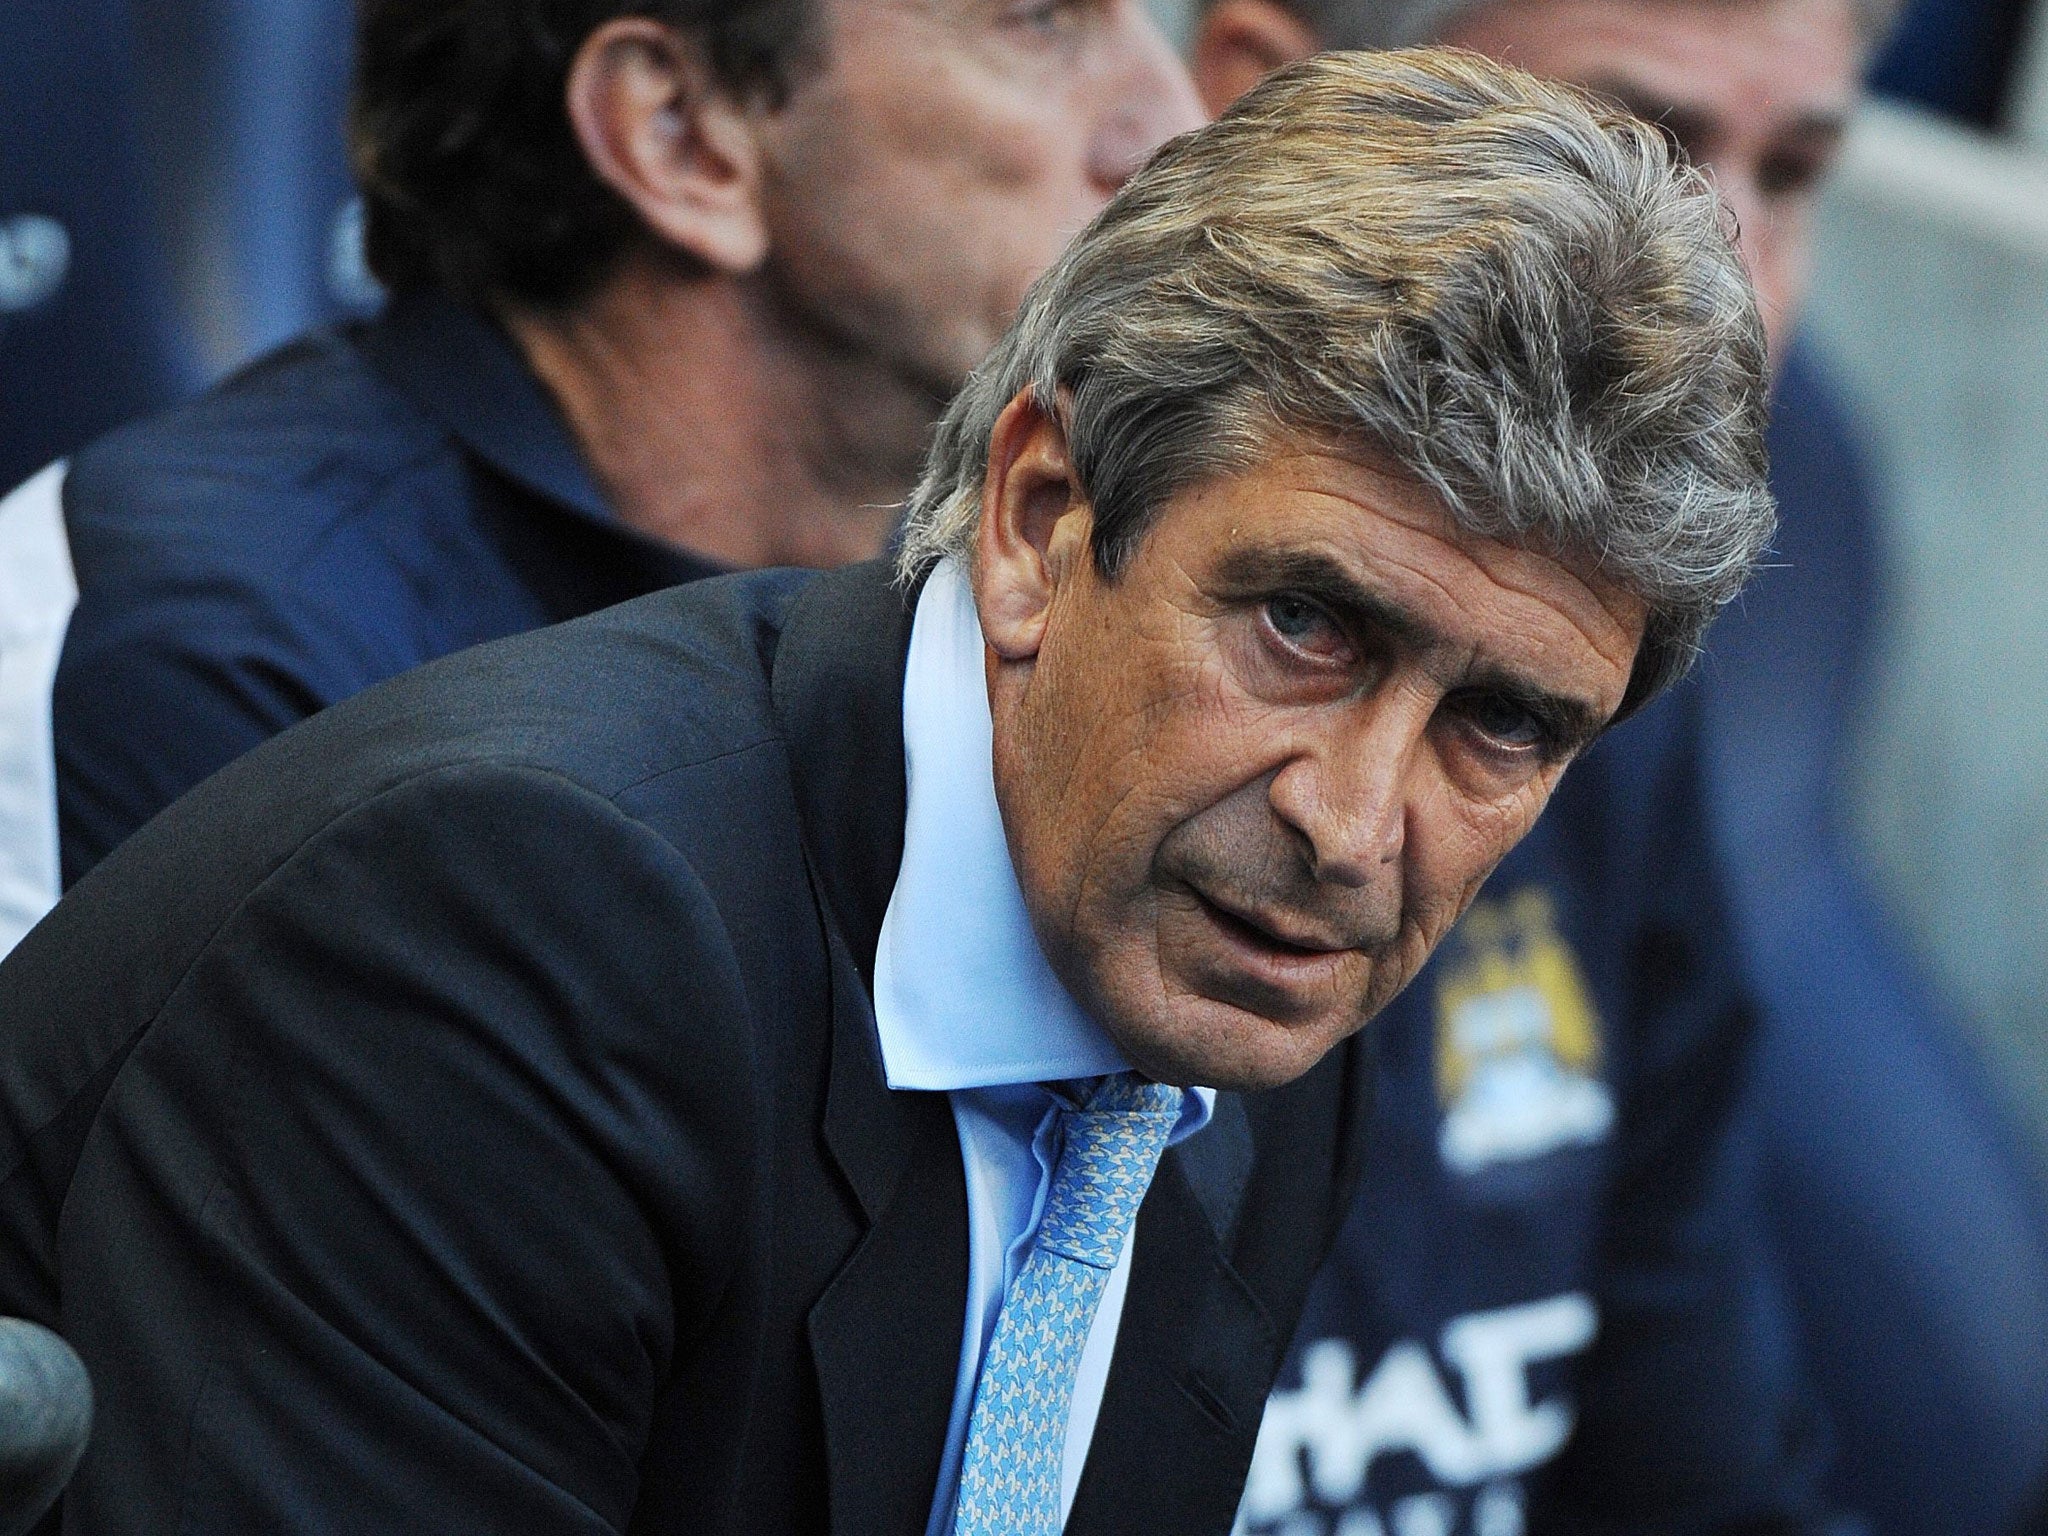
(1904, 1245)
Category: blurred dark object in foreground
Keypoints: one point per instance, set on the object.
(45, 1418)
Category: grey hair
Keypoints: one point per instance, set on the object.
(1491, 283)
(1413, 23)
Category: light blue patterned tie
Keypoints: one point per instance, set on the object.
(1010, 1471)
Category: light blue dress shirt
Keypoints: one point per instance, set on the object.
(37, 594)
(966, 1005)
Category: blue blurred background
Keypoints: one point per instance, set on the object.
(183, 163)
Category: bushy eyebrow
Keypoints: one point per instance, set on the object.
(1251, 571)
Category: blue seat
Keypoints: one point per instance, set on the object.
(88, 336)
(1956, 57)
(187, 204)
(247, 99)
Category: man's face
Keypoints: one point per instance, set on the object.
(943, 154)
(1756, 90)
(1251, 782)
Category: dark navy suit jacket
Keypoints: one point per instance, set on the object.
(465, 1114)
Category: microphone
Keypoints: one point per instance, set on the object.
(45, 1417)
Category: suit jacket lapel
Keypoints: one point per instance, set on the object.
(838, 692)
(885, 1336)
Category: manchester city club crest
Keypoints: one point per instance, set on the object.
(1517, 1038)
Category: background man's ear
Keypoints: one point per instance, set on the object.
(659, 129)
(1240, 42)
(1035, 526)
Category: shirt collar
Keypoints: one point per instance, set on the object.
(964, 997)
(458, 365)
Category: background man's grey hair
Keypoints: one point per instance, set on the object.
(1413, 23)
(1491, 283)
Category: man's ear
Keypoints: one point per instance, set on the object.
(1240, 42)
(1034, 532)
(659, 129)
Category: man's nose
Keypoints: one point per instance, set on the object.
(1144, 102)
(1348, 794)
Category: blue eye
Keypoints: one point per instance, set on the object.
(1294, 617)
(1305, 625)
(1504, 720)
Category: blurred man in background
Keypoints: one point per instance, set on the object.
(1903, 1226)
(677, 288)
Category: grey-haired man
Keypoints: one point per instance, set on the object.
(695, 1069)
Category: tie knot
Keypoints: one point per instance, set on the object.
(1112, 1147)
(1128, 1093)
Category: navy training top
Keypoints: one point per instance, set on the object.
(360, 502)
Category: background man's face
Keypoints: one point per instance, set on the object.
(945, 153)
(1756, 90)
(1249, 784)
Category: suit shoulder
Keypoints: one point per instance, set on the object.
(498, 776)
(594, 707)
(474, 912)
(668, 681)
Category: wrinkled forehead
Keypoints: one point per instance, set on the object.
(1365, 479)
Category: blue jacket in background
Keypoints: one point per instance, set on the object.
(361, 502)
